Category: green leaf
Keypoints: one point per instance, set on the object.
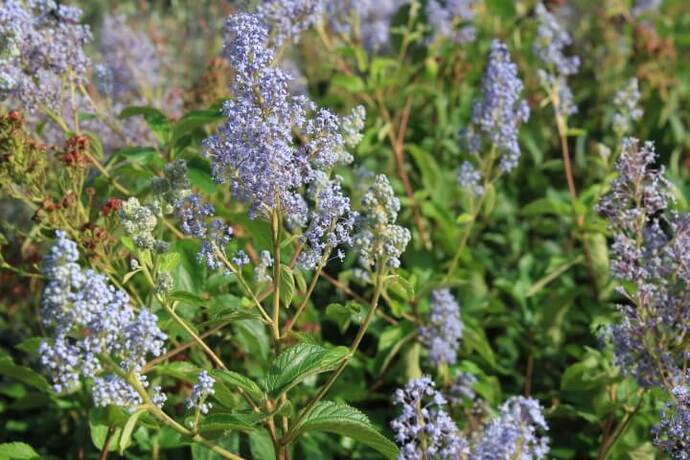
(345, 420)
(30, 345)
(343, 315)
(23, 374)
(260, 445)
(545, 206)
(300, 282)
(17, 450)
(157, 121)
(183, 370)
(193, 121)
(287, 285)
(227, 421)
(587, 374)
(230, 442)
(235, 380)
(169, 261)
(225, 396)
(188, 298)
(475, 341)
(352, 83)
(254, 340)
(297, 363)
(464, 219)
(144, 155)
(401, 287)
(126, 437)
(128, 276)
(99, 435)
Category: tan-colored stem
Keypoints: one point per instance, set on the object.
(165, 418)
(396, 137)
(179, 349)
(166, 305)
(621, 428)
(275, 227)
(218, 362)
(562, 126)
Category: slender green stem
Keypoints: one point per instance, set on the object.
(461, 246)
(120, 188)
(191, 332)
(166, 305)
(305, 301)
(157, 412)
(540, 284)
(179, 349)
(172, 423)
(336, 373)
(487, 173)
(243, 284)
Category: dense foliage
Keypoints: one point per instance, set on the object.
(287, 229)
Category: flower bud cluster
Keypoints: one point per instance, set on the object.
(380, 241)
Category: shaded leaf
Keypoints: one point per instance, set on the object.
(345, 420)
(23, 374)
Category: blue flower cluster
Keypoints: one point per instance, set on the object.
(643, 7)
(201, 390)
(650, 256)
(498, 115)
(128, 74)
(424, 429)
(470, 178)
(672, 433)
(256, 151)
(627, 104)
(371, 18)
(443, 332)
(130, 67)
(42, 47)
(289, 18)
(380, 242)
(462, 388)
(192, 212)
(548, 46)
(515, 433)
(643, 254)
(331, 224)
(452, 19)
(92, 319)
(197, 218)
